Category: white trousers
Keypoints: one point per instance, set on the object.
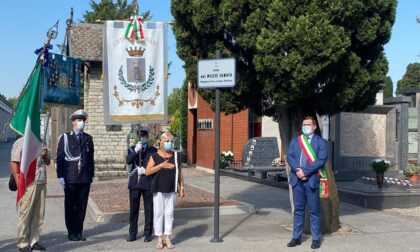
(163, 209)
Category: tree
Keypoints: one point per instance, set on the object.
(411, 77)
(294, 58)
(108, 10)
(177, 112)
(389, 87)
(13, 101)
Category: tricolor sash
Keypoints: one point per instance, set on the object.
(309, 153)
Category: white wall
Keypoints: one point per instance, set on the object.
(270, 128)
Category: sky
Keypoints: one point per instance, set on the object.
(24, 25)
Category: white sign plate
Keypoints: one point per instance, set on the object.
(216, 73)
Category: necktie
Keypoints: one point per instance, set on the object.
(79, 137)
(303, 159)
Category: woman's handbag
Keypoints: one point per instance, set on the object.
(12, 183)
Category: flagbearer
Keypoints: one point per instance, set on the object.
(139, 184)
(31, 206)
(306, 156)
(75, 171)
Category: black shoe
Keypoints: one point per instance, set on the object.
(38, 247)
(80, 237)
(131, 238)
(72, 237)
(293, 243)
(148, 238)
(25, 249)
(316, 244)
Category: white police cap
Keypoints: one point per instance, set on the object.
(79, 114)
(145, 129)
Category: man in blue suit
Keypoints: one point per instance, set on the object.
(75, 170)
(139, 184)
(305, 180)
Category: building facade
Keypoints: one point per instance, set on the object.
(6, 113)
(235, 131)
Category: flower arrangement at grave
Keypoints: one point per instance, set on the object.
(277, 162)
(412, 171)
(380, 166)
(226, 159)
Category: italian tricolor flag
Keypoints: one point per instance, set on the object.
(26, 122)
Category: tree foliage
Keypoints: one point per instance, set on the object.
(411, 77)
(177, 112)
(389, 87)
(108, 10)
(290, 53)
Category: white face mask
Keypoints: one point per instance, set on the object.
(80, 125)
(307, 130)
(143, 140)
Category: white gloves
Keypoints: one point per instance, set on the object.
(62, 183)
(141, 170)
(138, 147)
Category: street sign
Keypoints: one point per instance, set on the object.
(216, 73)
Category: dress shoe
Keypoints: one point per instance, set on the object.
(148, 238)
(293, 243)
(80, 237)
(72, 237)
(131, 238)
(25, 249)
(315, 245)
(38, 247)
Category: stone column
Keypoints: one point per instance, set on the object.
(401, 103)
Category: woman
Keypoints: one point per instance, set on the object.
(167, 179)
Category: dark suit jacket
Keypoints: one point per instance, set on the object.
(320, 148)
(133, 160)
(68, 169)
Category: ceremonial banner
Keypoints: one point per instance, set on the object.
(61, 79)
(26, 121)
(135, 74)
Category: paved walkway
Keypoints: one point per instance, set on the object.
(267, 230)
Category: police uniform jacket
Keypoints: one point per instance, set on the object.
(133, 160)
(69, 169)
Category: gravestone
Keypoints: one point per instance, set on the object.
(260, 152)
(361, 137)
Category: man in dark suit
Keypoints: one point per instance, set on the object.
(306, 155)
(139, 185)
(75, 170)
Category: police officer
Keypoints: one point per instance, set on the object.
(75, 170)
(139, 184)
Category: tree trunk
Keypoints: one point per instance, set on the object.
(290, 120)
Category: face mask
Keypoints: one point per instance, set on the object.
(307, 130)
(143, 140)
(167, 146)
(80, 125)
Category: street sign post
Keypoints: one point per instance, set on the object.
(216, 73)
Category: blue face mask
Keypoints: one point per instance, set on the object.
(167, 146)
(307, 130)
(80, 125)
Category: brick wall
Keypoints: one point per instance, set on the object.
(110, 146)
(231, 135)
